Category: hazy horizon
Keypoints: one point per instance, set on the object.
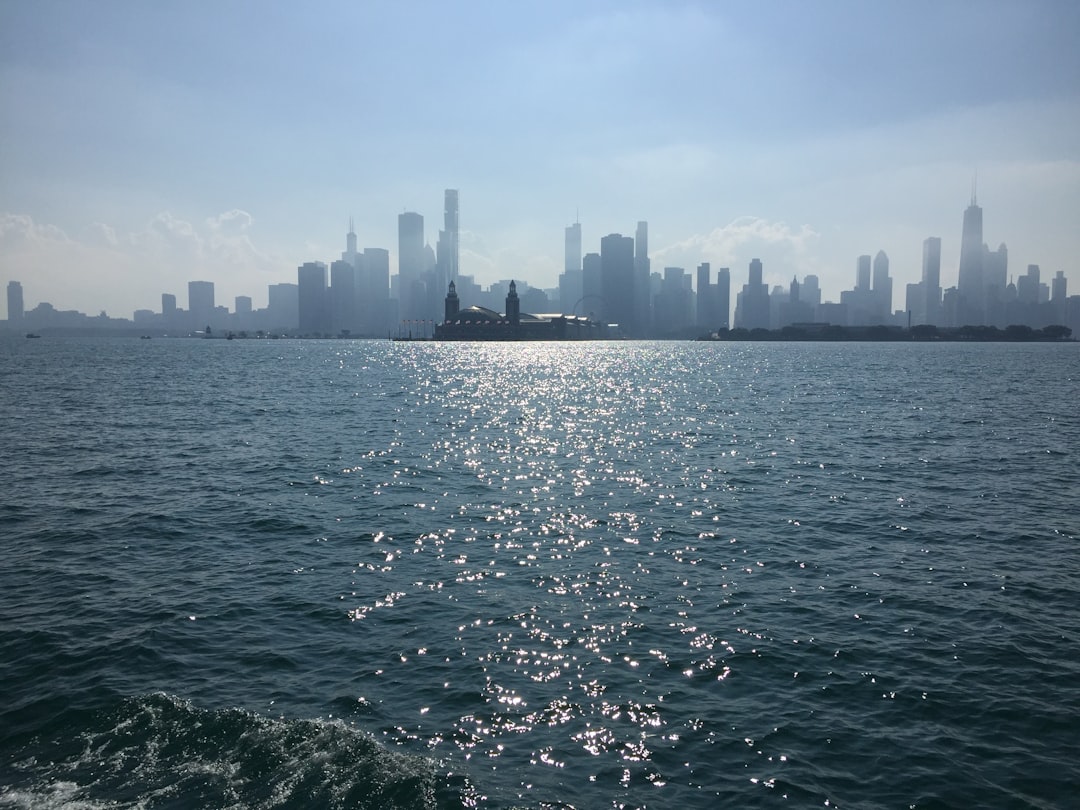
(146, 145)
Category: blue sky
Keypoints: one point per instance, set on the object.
(146, 144)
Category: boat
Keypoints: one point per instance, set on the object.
(32, 335)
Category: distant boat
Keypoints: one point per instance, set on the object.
(144, 337)
(32, 335)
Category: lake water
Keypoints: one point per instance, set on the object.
(602, 575)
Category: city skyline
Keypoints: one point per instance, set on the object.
(143, 148)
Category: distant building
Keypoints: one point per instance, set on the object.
(752, 304)
(201, 304)
(377, 311)
(723, 298)
(929, 309)
(572, 248)
(481, 323)
(313, 299)
(882, 288)
(862, 274)
(971, 293)
(15, 306)
(344, 301)
(641, 322)
(617, 268)
(705, 315)
(283, 308)
(412, 261)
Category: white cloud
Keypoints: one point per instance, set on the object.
(106, 268)
(782, 248)
(19, 231)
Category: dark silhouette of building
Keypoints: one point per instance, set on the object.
(480, 323)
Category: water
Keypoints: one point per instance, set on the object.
(365, 574)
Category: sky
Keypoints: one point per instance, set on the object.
(146, 144)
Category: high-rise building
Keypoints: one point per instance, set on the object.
(673, 316)
(752, 304)
(723, 298)
(572, 247)
(882, 287)
(706, 299)
(350, 254)
(592, 288)
(201, 303)
(930, 310)
(641, 322)
(412, 259)
(313, 300)
(995, 279)
(15, 306)
(344, 297)
(618, 270)
(1027, 286)
(1058, 298)
(862, 274)
(450, 229)
(971, 304)
(283, 307)
(377, 311)
(810, 292)
(168, 307)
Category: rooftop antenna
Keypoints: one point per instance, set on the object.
(974, 187)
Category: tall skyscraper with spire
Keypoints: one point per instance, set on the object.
(350, 253)
(572, 248)
(970, 285)
(572, 278)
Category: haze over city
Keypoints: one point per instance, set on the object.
(146, 145)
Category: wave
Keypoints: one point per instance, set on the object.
(159, 751)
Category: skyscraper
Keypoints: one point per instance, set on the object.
(15, 306)
(752, 304)
(640, 324)
(572, 250)
(377, 312)
(862, 274)
(283, 306)
(168, 308)
(970, 284)
(592, 288)
(450, 229)
(931, 282)
(313, 299)
(344, 297)
(350, 253)
(723, 298)
(706, 298)
(882, 287)
(411, 261)
(201, 303)
(618, 271)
